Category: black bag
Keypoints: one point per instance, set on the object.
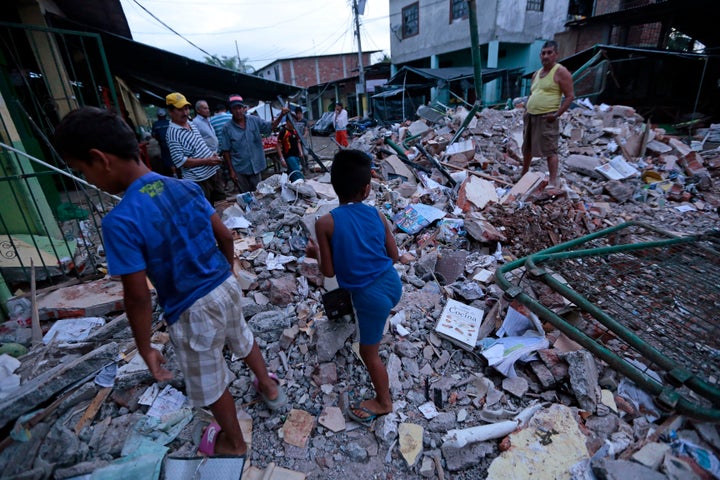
(337, 303)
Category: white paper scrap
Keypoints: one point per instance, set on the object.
(428, 410)
(168, 401)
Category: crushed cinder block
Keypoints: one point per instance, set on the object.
(651, 454)
(465, 148)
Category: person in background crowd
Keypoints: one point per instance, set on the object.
(189, 151)
(218, 121)
(159, 131)
(301, 125)
(202, 122)
(341, 123)
(242, 146)
(289, 149)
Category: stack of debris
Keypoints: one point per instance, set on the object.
(503, 397)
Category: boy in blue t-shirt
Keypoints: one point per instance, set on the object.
(164, 229)
(354, 243)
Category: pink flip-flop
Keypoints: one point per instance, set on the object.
(209, 437)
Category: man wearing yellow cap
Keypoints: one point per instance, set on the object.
(189, 151)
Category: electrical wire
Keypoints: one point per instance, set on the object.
(175, 32)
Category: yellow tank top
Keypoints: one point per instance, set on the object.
(545, 93)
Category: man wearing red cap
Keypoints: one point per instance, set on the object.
(189, 151)
(241, 144)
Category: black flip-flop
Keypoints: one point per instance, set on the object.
(367, 421)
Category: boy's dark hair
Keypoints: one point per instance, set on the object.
(350, 173)
(298, 110)
(93, 128)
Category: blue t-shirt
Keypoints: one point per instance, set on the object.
(358, 243)
(162, 226)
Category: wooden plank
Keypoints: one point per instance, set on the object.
(40, 416)
(92, 409)
(526, 185)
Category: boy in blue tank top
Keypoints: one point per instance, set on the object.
(164, 229)
(355, 244)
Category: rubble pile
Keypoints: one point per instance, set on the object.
(82, 401)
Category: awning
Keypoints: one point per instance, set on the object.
(692, 18)
(154, 73)
(618, 53)
(389, 93)
(430, 76)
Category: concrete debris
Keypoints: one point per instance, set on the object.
(559, 412)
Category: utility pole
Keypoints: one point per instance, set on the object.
(361, 71)
(475, 50)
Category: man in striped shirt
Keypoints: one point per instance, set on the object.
(189, 151)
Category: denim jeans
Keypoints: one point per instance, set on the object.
(294, 169)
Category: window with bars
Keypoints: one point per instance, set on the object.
(458, 10)
(411, 20)
(535, 5)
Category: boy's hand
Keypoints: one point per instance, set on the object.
(155, 361)
(312, 250)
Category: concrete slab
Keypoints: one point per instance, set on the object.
(91, 299)
(546, 449)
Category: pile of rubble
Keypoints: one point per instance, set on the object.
(83, 401)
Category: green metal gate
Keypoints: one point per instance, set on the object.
(47, 216)
(649, 304)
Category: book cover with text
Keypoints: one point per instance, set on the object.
(460, 324)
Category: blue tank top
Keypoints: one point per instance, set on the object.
(358, 244)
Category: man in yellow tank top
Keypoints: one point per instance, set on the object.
(541, 126)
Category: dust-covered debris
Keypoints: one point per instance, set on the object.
(525, 392)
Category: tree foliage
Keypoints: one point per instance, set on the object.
(231, 63)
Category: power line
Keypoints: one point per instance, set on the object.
(231, 32)
(176, 33)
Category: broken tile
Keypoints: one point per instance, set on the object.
(411, 442)
(298, 427)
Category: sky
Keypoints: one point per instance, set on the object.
(259, 31)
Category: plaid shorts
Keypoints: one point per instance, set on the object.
(199, 336)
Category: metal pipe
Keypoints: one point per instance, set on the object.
(61, 172)
(475, 50)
